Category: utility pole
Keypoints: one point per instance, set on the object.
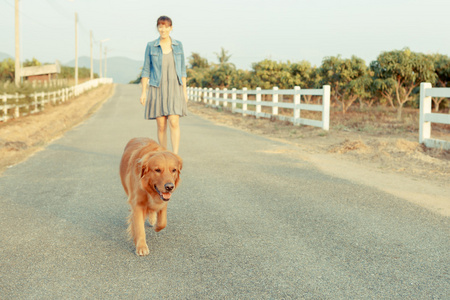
(106, 61)
(100, 61)
(76, 49)
(92, 61)
(17, 70)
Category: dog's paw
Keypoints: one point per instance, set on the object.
(142, 249)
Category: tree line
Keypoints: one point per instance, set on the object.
(392, 80)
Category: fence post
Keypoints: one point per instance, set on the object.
(16, 109)
(225, 97)
(297, 96)
(217, 96)
(275, 101)
(35, 102)
(5, 108)
(210, 96)
(244, 101)
(425, 108)
(205, 95)
(326, 108)
(258, 100)
(233, 98)
(42, 100)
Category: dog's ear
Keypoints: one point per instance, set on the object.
(180, 166)
(141, 168)
(144, 170)
(180, 163)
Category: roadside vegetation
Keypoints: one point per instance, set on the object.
(391, 81)
(65, 78)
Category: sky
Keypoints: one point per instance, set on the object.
(250, 30)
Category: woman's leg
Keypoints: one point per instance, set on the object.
(161, 123)
(174, 125)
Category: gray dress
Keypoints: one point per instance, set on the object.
(168, 98)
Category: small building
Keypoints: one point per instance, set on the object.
(41, 73)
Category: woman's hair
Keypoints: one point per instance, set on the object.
(164, 19)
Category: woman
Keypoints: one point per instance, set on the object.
(163, 81)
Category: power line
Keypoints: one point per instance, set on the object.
(27, 16)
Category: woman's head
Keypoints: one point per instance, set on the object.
(164, 20)
(164, 25)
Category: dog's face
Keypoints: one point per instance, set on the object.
(160, 173)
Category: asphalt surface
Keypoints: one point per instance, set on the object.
(247, 222)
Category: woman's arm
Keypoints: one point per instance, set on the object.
(144, 82)
(183, 72)
(145, 74)
(184, 88)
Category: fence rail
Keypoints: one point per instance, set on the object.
(11, 106)
(427, 117)
(221, 97)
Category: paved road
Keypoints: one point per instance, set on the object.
(246, 223)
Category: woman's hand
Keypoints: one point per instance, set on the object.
(183, 79)
(143, 99)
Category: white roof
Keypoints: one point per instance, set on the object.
(41, 70)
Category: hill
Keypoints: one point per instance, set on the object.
(121, 69)
(4, 56)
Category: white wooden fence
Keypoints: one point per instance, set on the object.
(224, 96)
(427, 117)
(11, 108)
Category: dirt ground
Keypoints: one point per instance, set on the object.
(20, 138)
(394, 163)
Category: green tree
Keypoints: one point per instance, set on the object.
(269, 73)
(363, 88)
(243, 78)
(69, 72)
(347, 78)
(197, 71)
(223, 56)
(407, 69)
(305, 77)
(442, 69)
(7, 69)
(384, 87)
(196, 61)
(31, 63)
(222, 73)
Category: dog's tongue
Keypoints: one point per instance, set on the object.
(166, 196)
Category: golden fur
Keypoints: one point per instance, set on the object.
(149, 175)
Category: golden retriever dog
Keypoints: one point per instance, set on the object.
(149, 174)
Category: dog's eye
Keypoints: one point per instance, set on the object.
(158, 170)
(174, 170)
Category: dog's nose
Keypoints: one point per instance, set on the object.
(169, 187)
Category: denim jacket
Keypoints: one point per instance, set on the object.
(153, 62)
